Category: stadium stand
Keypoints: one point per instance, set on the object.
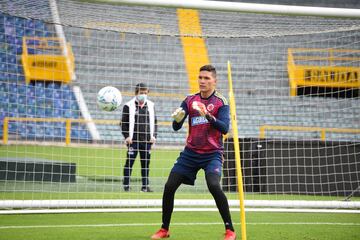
(98, 63)
(262, 94)
(35, 100)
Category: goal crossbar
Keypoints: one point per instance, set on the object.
(243, 7)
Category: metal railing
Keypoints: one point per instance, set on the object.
(322, 131)
(68, 122)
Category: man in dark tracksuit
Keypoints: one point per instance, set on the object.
(139, 128)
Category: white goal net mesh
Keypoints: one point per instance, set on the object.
(297, 142)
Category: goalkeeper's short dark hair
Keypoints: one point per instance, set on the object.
(209, 68)
(140, 87)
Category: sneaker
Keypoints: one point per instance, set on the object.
(146, 189)
(162, 233)
(230, 235)
(126, 188)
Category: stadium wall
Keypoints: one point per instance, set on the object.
(310, 167)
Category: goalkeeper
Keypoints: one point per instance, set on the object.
(208, 118)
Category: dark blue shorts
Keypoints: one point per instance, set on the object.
(189, 163)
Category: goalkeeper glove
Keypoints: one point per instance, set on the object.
(200, 107)
(178, 115)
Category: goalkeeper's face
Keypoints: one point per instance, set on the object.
(207, 83)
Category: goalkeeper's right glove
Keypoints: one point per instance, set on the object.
(178, 115)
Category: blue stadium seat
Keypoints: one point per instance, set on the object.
(29, 23)
(49, 112)
(57, 112)
(22, 128)
(30, 111)
(40, 112)
(74, 107)
(10, 39)
(29, 32)
(49, 93)
(3, 57)
(57, 95)
(54, 85)
(3, 76)
(12, 68)
(30, 100)
(49, 133)
(40, 130)
(30, 91)
(2, 37)
(20, 22)
(20, 31)
(10, 58)
(21, 109)
(66, 104)
(12, 127)
(39, 91)
(74, 133)
(30, 131)
(67, 114)
(21, 89)
(84, 134)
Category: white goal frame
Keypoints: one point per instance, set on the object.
(243, 7)
(203, 5)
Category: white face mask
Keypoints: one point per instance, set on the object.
(141, 97)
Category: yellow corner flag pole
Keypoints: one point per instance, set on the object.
(237, 153)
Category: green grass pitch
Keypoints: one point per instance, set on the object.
(185, 225)
(99, 172)
(105, 164)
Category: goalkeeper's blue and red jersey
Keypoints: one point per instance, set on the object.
(205, 136)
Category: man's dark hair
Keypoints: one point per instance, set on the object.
(140, 87)
(209, 68)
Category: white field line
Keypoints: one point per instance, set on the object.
(213, 209)
(175, 224)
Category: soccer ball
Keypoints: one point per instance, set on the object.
(109, 98)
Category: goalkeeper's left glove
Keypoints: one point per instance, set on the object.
(178, 115)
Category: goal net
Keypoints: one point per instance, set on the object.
(296, 82)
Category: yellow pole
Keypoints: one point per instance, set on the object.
(262, 132)
(68, 132)
(5, 130)
(323, 134)
(237, 154)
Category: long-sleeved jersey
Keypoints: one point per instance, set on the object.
(205, 136)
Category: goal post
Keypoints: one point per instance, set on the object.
(298, 149)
